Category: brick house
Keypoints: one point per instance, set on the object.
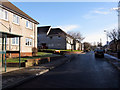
(13, 20)
(54, 38)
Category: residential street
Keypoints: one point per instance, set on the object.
(85, 71)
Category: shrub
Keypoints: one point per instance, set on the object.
(34, 51)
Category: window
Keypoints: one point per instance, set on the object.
(0, 40)
(50, 37)
(15, 19)
(59, 37)
(3, 14)
(28, 42)
(4, 41)
(51, 45)
(15, 41)
(58, 45)
(29, 24)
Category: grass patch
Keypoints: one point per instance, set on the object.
(44, 54)
(40, 55)
(60, 50)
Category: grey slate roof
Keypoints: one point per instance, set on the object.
(56, 31)
(43, 29)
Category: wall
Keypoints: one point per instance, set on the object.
(69, 42)
(52, 43)
(21, 30)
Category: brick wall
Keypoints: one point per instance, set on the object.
(17, 54)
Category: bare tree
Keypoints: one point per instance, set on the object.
(114, 35)
(77, 35)
(87, 46)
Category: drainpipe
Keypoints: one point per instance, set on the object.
(34, 35)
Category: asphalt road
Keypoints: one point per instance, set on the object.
(84, 71)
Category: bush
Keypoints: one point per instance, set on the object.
(34, 51)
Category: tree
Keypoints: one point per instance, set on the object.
(77, 35)
(87, 46)
(114, 35)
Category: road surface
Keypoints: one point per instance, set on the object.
(84, 71)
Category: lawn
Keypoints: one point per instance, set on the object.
(60, 50)
(40, 55)
(44, 54)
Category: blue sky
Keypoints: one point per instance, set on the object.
(89, 18)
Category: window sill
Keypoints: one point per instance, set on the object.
(4, 19)
(16, 23)
(28, 46)
(29, 28)
(15, 44)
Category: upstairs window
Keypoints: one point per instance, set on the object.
(16, 19)
(3, 14)
(29, 25)
(59, 37)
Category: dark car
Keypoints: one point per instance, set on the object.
(99, 53)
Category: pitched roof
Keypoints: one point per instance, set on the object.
(56, 31)
(12, 8)
(43, 29)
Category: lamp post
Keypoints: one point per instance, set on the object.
(106, 35)
(107, 39)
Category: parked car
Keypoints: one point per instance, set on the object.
(99, 53)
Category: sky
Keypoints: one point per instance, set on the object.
(88, 18)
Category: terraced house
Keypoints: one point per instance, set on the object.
(15, 21)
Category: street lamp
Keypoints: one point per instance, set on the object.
(106, 35)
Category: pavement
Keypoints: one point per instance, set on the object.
(113, 60)
(17, 77)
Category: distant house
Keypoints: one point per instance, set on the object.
(112, 46)
(77, 45)
(13, 20)
(54, 38)
(42, 36)
(118, 45)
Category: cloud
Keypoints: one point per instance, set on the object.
(68, 27)
(101, 12)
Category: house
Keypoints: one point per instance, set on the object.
(112, 46)
(15, 21)
(54, 38)
(77, 45)
(42, 38)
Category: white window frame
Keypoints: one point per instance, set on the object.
(28, 42)
(15, 41)
(4, 41)
(16, 19)
(3, 14)
(29, 24)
